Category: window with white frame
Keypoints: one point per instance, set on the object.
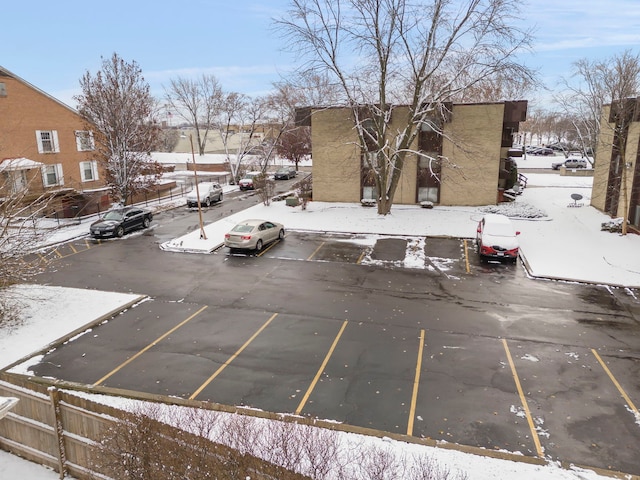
(89, 171)
(47, 141)
(52, 175)
(84, 141)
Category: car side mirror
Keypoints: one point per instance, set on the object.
(517, 233)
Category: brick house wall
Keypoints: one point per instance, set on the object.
(25, 110)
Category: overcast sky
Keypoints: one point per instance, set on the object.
(52, 45)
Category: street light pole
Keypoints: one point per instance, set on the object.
(203, 235)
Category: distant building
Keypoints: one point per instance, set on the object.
(614, 171)
(45, 147)
(474, 145)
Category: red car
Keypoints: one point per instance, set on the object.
(496, 238)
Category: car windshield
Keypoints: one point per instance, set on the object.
(499, 229)
(283, 170)
(242, 228)
(114, 215)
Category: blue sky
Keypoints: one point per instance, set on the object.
(51, 45)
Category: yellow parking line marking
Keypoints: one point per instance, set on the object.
(57, 252)
(361, 257)
(86, 242)
(315, 251)
(232, 358)
(73, 248)
(615, 382)
(312, 386)
(152, 344)
(466, 255)
(523, 400)
(269, 247)
(416, 384)
(43, 258)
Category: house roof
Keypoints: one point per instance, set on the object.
(6, 73)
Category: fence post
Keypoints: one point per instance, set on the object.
(54, 394)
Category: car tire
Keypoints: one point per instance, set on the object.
(207, 202)
(120, 231)
(220, 197)
(281, 234)
(146, 222)
(258, 245)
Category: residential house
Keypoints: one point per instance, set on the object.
(473, 166)
(46, 148)
(616, 178)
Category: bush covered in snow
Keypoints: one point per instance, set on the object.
(613, 225)
(515, 210)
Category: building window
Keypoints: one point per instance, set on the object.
(52, 175)
(47, 141)
(429, 172)
(89, 171)
(369, 191)
(3, 89)
(84, 141)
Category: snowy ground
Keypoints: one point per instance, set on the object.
(566, 243)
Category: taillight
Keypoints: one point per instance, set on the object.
(226, 235)
(245, 237)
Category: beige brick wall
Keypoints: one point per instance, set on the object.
(469, 176)
(630, 158)
(336, 156)
(603, 161)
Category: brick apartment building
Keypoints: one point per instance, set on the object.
(616, 178)
(474, 147)
(45, 147)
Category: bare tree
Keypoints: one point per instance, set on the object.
(118, 104)
(238, 121)
(21, 232)
(197, 102)
(295, 144)
(386, 53)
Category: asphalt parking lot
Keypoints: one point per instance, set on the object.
(402, 335)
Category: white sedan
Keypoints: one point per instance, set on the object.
(253, 234)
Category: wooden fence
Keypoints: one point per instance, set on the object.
(57, 428)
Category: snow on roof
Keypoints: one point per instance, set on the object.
(19, 164)
(183, 158)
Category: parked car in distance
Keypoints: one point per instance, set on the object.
(285, 173)
(253, 234)
(542, 151)
(246, 183)
(209, 192)
(496, 238)
(571, 162)
(117, 222)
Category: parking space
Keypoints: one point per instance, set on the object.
(63, 250)
(470, 370)
(576, 405)
(447, 256)
(371, 331)
(528, 397)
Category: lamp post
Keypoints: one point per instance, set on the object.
(203, 235)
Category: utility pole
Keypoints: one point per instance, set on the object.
(203, 235)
